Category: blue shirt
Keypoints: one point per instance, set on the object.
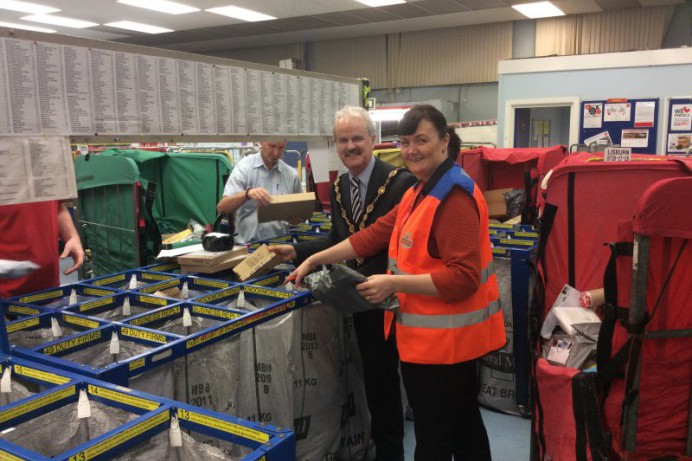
(252, 172)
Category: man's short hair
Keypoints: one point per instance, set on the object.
(357, 112)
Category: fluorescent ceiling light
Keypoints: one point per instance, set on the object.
(375, 3)
(60, 21)
(12, 25)
(538, 10)
(26, 7)
(241, 13)
(139, 27)
(164, 6)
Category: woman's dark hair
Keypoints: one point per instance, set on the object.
(454, 145)
(409, 123)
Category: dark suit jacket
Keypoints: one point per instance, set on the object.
(395, 190)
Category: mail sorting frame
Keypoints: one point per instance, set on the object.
(98, 307)
(157, 319)
(194, 283)
(174, 347)
(44, 298)
(273, 278)
(267, 442)
(121, 280)
(163, 267)
(521, 278)
(45, 320)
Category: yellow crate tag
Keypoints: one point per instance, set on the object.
(210, 283)
(307, 237)
(121, 437)
(161, 286)
(95, 292)
(146, 335)
(224, 426)
(152, 300)
(23, 325)
(114, 396)
(4, 456)
(95, 304)
(13, 308)
(40, 375)
(221, 294)
(72, 343)
(139, 363)
(218, 313)
(36, 404)
(267, 292)
(516, 242)
(501, 226)
(147, 276)
(269, 281)
(165, 267)
(109, 280)
(154, 316)
(499, 251)
(82, 322)
(41, 296)
(526, 234)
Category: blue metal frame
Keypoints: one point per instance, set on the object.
(120, 280)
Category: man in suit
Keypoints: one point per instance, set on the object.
(370, 189)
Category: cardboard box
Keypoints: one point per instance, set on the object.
(209, 262)
(286, 206)
(257, 263)
(497, 207)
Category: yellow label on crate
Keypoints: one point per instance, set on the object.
(267, 292)
(516, 242)
(139, 363)
(121, 437)
(499, 251)
(95, 292)
(13, 308)
(210, 283)
(23, 325)
(95, 304)
(154, 316)
(307, 237)
(40, 375)
(71, 343)
(161, 286)
(152, 300)
(4, 456)
(224, 426)
(236, 325)
(146, 335)
(165, 267)
(269, 281)
(221, 294)
(147, 276)
(41, 296)
(526, 234)
(218, 313)
(130, 400)
(36, 404)
(501, 226)
(109, 280)
(82, 322)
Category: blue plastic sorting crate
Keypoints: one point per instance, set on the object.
(30, 332)
(111, 308)
(17, 309)
(196, 286)
(504, 375)
(121, 280)
(123, 421)
(257, 295)
(171, 319)
(165, 267)
(252, 246)
(59, 297)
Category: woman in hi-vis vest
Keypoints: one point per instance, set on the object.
(441, 270)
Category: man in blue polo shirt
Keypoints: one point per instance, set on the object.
(250, 185)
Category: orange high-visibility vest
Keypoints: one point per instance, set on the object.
(429, 330)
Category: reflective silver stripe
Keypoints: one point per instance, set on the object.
(450, 320)
(487, 272)
(392, 267)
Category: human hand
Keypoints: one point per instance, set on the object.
(377, 288)
(301, 271)
(259, 195)
(287, 252)
(73, 248)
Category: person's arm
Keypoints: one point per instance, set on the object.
(230, 203)
(342, 251)
(70, 237)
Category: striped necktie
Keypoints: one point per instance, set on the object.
(356, 205)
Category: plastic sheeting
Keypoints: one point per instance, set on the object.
(28, 339)
(158, 449)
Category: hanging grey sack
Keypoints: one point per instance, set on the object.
(336, 285)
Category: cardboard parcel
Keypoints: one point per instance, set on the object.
(287, 206)
(258, 263)
(210, 262)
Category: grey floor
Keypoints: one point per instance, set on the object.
(509, 435)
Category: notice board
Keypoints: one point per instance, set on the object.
(678, 125)
(625, 122)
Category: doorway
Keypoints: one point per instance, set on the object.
(541, 122)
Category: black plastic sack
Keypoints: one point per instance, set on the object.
(336, 285)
